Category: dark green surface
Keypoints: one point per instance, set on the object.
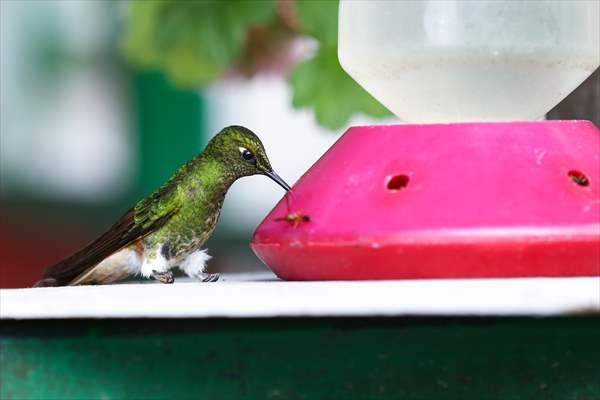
(410, 358)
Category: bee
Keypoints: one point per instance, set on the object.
(295, 219)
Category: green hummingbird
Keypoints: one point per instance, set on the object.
(168, 228)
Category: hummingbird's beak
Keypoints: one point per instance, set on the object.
(278, 180)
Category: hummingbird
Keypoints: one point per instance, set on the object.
(168, 228)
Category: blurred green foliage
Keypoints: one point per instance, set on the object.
(192, 41)
(196, 41)
(320, 82)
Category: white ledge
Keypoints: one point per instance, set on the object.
(262, 295)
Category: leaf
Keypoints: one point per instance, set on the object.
(320, 82)
(192, 41)
(195, 41)
(319, 19)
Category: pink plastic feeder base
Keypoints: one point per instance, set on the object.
(469, 200)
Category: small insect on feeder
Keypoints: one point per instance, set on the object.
(475, 186)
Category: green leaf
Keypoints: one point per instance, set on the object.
(320, 82)
(319, 19)
(193, 41)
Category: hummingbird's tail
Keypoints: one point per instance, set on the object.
(46, 282)
(122, 234)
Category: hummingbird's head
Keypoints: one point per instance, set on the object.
(243, 153)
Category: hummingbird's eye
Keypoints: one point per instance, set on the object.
(248, 155)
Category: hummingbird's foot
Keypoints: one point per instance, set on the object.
(210, 277)
(164, 277)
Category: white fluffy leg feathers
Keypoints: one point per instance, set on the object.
(194, 266)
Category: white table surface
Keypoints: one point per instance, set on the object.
(263, 295)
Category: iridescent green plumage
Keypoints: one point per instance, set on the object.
(164, 229)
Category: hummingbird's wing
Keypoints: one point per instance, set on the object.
(136, 223)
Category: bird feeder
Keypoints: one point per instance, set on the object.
(475, 184)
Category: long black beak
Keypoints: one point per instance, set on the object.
(278, 180)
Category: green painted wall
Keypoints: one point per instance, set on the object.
(397, 358)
